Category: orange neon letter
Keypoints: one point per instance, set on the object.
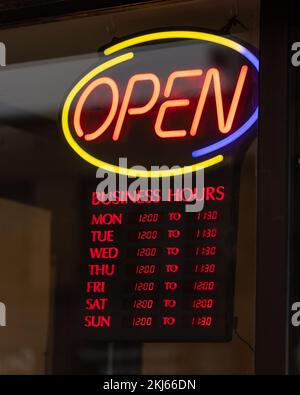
(214, 74)
(85, 94)
(138, 110)
(173, 103)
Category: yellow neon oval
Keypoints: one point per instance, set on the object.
(115, 61)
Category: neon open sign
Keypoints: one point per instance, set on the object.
(188, 99)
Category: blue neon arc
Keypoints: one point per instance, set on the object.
(243, 129)
(251, 57)
(228, 140)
